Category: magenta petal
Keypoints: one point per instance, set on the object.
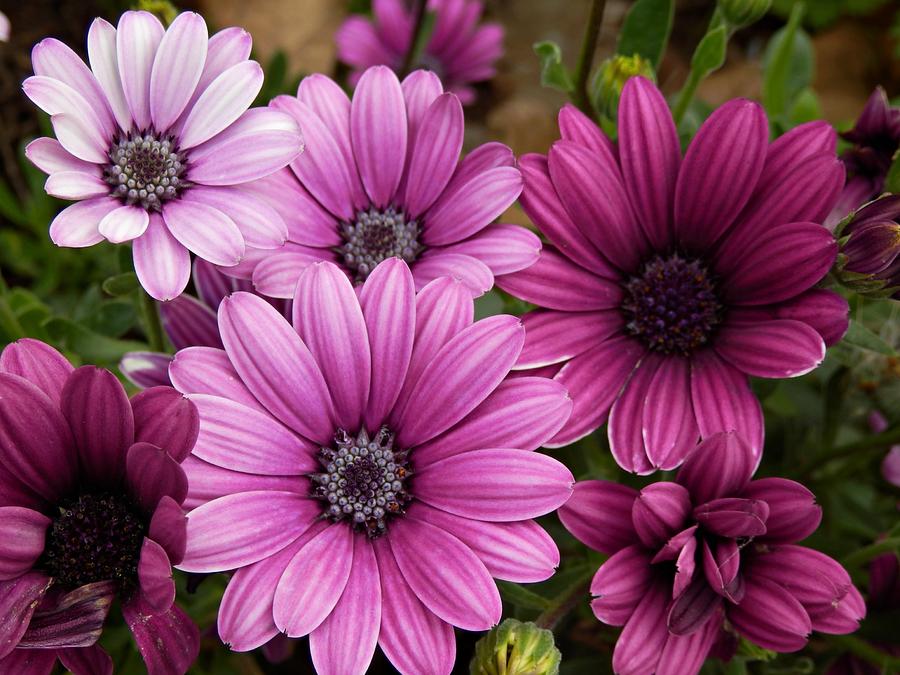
(598, 514)
(275, 365)
(693, 608)
(723, 401)
(445, 575)
(165, 418)
(677, 545)
(85, 660)
(18, 600)
(520, 551)
(37, 445)
(388, 301)
(577, 127)
(626, 417)
(357, 613)
(670, 437)
(730, 145)
(328, 317)
(29, 662)
(793, 512)
(168, 528)
(99, 414)
(22, 533)
(779, 348)
(378, 132)
(413, 638)
(239, 529)
(685, 566)
(155, 576)
(826, 311)
(733, 518)
(594, 380)
(37, 362)
(660, 510)
(146, 369)
(721, 566)
(168, 641)
(420, 89)
(720, 466)
(497, 422)
(313, 581)
(74, 619)
(188, 322)
(650, 156)
(153, 474)
(789, 150)
(460, 376)
(641, 642)
(771, 617)
(620, 584)
(552, 337)
(466, 485)
(687, 653)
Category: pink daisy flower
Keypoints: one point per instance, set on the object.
(91, 488)
(154, 139)
(669, 281)
(368, 469)
(711, 552)
(4, 27)
(381, 177)
(460, 51)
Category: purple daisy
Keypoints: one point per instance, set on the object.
(91, 489)
(669, 281)
(713, 551)
(875, 139)
(188, 322)
(368, 469)
(381, 177)
(154, 140)
(460, 51)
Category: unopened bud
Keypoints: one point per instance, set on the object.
(516, 648)
(611, 76)
(869, 259)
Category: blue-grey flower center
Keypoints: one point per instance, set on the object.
(671, 305)
(146, 169)
(376, 235)
(363, 481)
(96, 537)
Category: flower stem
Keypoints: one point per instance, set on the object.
(874, 442)
(586, 57)
(564, 602)
(686, 95)
(867, 553)
(865, 651)
(415, 37)
(152, 325)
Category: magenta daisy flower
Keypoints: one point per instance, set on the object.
(381, 177)
(91, 489)
(460, 51)
(713, 551)
(188, 322)
(670, 280)
(368, 469)
(153, 140)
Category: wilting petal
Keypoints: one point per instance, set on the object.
(22, 533)
(166, 419)
(37, 362)
(18, 600)
(720, 466)
(599, 515)
(620, 584)
(73, 620)
(168, 641)
(793, 512)
(770, 617)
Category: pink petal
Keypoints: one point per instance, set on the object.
(50, 156)
(138, 36)
(37, 362)
(102, 52)
(599, 515)
(162, 264)
(641, 642)
(79, 138)
(203, 370)
(205, 231)
(77, 226)
(552, 337)
(671, 437)
(75, 185)
(177, 67)
(22, 532)
(779, 348)
(166, 419)
(207, 482)
(260, 225)
(277, 274)
(620, 584)
(577, 127)
(435, 153)
(124, 224)
(437, 263)
(503, 248)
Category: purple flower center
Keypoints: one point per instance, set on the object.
(145, 169)
(96, 537)
(377, 235)
(671, 304)
(364, 480)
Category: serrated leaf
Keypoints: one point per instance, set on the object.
(521, 597)
(861, 337)
(710, 53)
(646, 30)
(553, 72)
(121, 284)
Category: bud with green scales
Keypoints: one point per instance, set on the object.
(516, 648)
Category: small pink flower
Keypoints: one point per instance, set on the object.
(459, 50)
(368, 468)
(154, 140)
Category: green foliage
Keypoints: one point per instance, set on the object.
(710, 53)
(646, 30)
(821, 13)
(553, 73)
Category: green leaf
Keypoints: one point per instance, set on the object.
(522, 597)
(710, 53)
(892, 182)
(553, 72)
(646, 29)
(91, 346)
(863, 338)
(788, 64)
(121, 284)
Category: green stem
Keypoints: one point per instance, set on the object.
(874, 442)
(864, 650)
(686, 95)
(586, 57)
(565, 602)
(152, 325)
(415, 38)
(864, 555)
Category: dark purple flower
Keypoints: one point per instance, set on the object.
(91, 489)
(869, 260)
(189, 322)
(668, 280)
(712, 550)
(459, 50)
(875, 139)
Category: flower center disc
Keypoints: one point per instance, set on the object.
(98, 537)
(364, 480)
(671, 305)
(377, 235)
(145, 169)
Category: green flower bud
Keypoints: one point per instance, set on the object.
(516, 648)
(740, 13)
(611, 76)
